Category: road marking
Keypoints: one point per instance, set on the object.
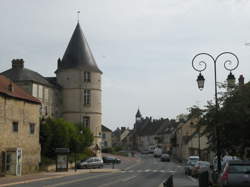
(171, 171)
(75, 181)
(146, 171)
(129, 178)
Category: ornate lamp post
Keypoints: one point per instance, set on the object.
(230, 65)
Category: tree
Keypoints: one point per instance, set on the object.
(58, 133)
(233, 120)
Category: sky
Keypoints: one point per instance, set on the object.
(144, 47)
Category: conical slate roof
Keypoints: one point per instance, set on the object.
(138, 114)
(78, 53)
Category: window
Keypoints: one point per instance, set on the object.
(87, 76)
(15, 126)
(46, 94)
(34, 90)
(103, 135)
(41, 110)
(86, 121)
(105, 143)
(46, 110)
(32, 128)
(40, 91)
(87, 96)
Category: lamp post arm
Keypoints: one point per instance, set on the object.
(202, 65)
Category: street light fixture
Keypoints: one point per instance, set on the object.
(230, 80)
(200, 81)
(229, 65)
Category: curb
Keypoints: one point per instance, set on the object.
(61, 175)
(192, 179)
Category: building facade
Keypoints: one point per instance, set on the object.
(106, 137)
(74, 93)
(19, 129)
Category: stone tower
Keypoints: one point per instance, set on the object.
(80, 78)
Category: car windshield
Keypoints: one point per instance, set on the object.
(192, 162)
(239, 169)
(204, 164)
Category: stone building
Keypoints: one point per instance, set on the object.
(150, 132)
(190, 140)
(74, 93)
(19, 129)
(38, 86)
(106, 137)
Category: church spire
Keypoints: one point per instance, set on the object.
(78, 54)
(138, 116)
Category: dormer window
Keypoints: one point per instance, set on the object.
(87, 76)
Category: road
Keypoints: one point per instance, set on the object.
(149, 172)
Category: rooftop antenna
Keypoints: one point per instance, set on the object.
(78, 12)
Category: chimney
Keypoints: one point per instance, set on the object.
(241, 80)
(17, 63)
(11, 87)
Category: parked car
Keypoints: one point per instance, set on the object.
(151, 148)
(194, 158)
(145, 151)
(92, 162)
(110, 160)
(157, 152)
(235, 174)
(165, 157)
(189, 165)
(199, 167)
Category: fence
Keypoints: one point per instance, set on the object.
(169, 182)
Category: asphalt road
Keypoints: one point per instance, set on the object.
(150, 172)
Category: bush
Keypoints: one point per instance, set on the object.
(58, 133)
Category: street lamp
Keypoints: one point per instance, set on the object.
(230, 65)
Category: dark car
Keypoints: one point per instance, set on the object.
(200, 167)
(165, 157)
(235, 174)
(110, 160)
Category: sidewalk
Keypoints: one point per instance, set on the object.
(14, 180)
(185, 181)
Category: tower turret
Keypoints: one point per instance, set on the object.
(80, 78)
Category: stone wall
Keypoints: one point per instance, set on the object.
(73, 86)
(14, 110)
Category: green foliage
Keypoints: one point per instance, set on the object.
(108, 150)
(232, 119)
(58, 133)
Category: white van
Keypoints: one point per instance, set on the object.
(151, 148)
(194, 158)
(157, 152)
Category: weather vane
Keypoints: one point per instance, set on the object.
(78, 12)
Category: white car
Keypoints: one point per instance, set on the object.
(92, 162)
(157, 152)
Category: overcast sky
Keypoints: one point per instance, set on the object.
(143, 47)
